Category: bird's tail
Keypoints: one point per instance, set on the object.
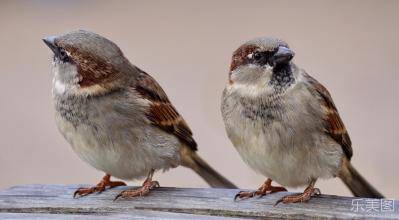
(356, 183)
(193, 161)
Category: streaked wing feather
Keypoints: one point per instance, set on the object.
(334, 125)
(162, 113)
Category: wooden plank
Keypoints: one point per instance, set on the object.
(139, 214)
(55, 201)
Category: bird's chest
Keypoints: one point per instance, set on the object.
(86, 123)
(72, 110)
(259, 128)
(272, 133)
(111, 135)
(80, 123)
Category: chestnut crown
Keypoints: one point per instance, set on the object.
(97, 59)
(260, 52)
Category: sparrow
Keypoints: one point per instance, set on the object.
(284, 123)
(117, 118)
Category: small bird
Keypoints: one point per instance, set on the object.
(116, 117)
(284, 123)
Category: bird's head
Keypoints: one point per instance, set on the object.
(85, 62)
(260, 61)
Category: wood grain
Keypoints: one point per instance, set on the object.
(55, 201)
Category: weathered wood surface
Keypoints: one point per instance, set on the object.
(55, 201)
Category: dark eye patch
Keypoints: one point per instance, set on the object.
(62, 55)
(257, 55)
(261, 57)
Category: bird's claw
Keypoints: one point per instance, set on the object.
(303, 197)
(142, 191)
(99, 188)
(87, 191)
(245, 194)
(265, 189)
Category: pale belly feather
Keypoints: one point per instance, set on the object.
(287, 147)
(124, 157)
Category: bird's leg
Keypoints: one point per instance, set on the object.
(100, 187)
(302, 197)
(263, 190)
(142, 191)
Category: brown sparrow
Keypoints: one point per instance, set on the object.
(284, 123)
(116, 117)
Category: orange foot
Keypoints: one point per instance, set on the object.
(302, 197)
(142, 191)
(262, 191)
(100, 187)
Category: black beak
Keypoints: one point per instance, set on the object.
(282, 56)
(50, 42)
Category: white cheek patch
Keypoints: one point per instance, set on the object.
(66, 81)
(65, 78)
(59, 87)
(252, 81)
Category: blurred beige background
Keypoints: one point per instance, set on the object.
(352, 47)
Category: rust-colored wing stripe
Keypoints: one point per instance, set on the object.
(334, 125)
(162, 113)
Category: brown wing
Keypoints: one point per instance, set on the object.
(334, 125)
(162, 113)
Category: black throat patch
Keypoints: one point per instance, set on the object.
(282, 77)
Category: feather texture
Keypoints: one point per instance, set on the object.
(162, 113)
(334, 125)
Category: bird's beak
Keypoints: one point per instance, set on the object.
(50, 42)
(283, 55)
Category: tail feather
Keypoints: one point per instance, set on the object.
(356, 183)
(192, 160)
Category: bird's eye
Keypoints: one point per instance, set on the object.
(257, 56)
(63, 55)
